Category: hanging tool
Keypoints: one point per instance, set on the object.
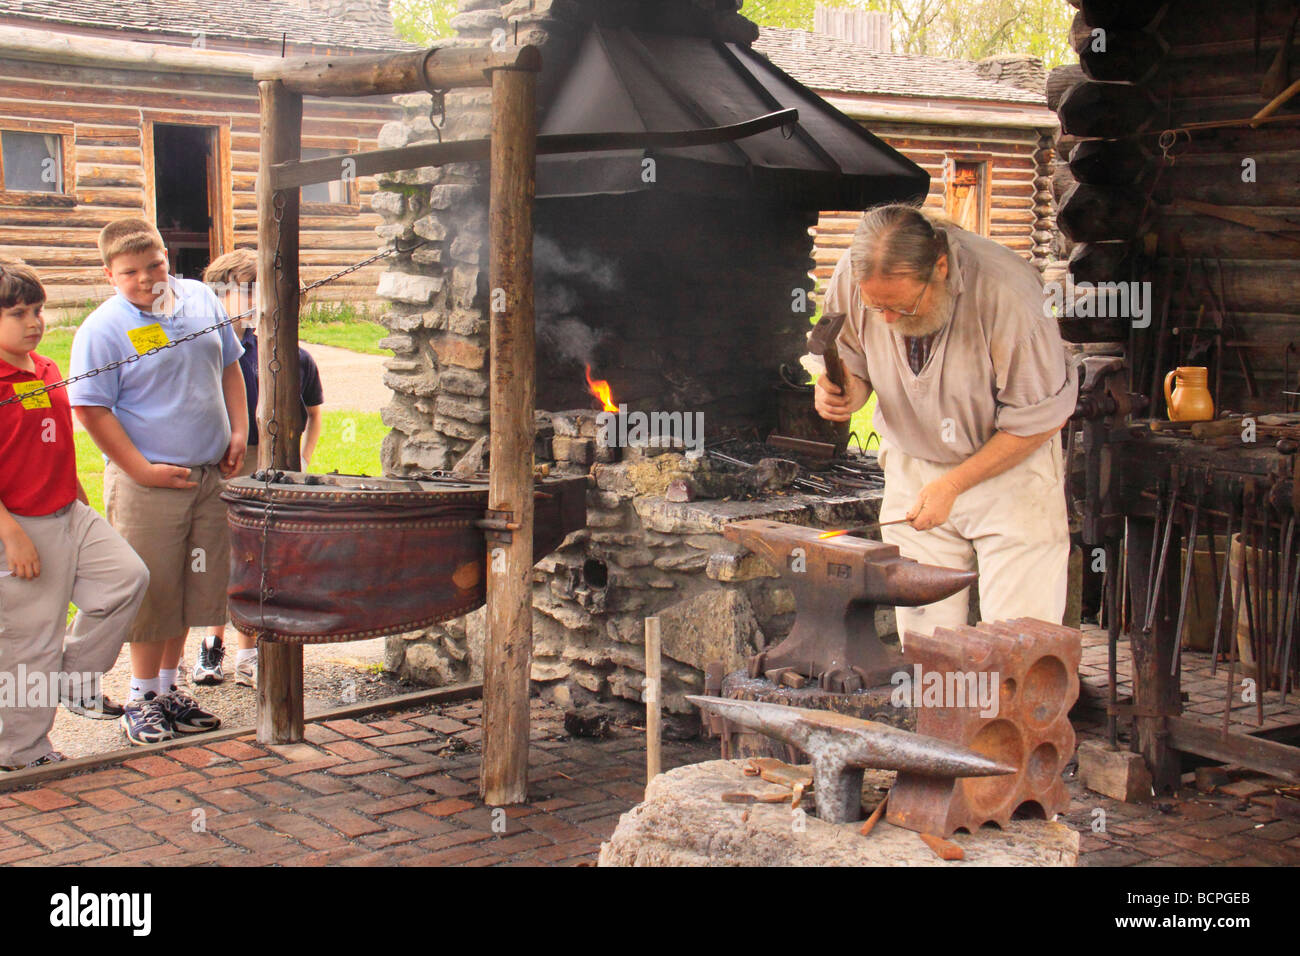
(1153, 595)
(1247, 514)
(1223, 588)
(1176, 656)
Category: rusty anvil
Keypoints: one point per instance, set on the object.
(841, 747)
(838, 583)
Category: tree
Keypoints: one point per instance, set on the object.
(421, 21)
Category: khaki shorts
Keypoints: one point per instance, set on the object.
(184, 541)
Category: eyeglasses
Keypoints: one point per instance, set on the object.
(910, 313)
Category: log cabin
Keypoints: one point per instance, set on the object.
(1179, 149)
(982, 130)
(115, 109)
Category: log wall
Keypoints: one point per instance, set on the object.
(1202, 67)
(1020, 209)
(105, 113)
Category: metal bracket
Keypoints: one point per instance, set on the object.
(497, 525)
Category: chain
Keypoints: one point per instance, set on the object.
(272, 427)
(129, 360)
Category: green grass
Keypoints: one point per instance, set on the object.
(341, 325)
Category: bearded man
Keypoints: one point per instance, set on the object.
(948, 329)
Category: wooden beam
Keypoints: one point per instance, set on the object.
(279, 666)
(507, 658)
(390, 73)
(46, 46)
(293, 174)
(1243, 750)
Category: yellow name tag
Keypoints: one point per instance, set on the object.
(35, 401)
(148, 337)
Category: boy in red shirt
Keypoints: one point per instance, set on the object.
(54, 549)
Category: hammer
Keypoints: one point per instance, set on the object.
(822, 342)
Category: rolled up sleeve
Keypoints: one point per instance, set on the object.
(91, 348)
(1037, 387)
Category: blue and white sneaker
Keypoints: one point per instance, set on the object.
(185, 715)
(146, 722)
(207, 670)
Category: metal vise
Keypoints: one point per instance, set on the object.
(841, 747)
(838, 583)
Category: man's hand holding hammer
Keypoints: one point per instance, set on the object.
(838, 404)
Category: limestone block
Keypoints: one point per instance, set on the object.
(462, 381)
(447, 195)
(394, 135)
(684, 561)
(463, 410)
(726, 567)
(683, 822)
(718, 625)
(398, 342)
(411, 289)
(389, 204)
(453, 350)
(430, 227)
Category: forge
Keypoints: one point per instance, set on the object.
(678, 276)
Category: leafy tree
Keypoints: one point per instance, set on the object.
(420, 21)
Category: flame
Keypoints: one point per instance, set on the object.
(832, 534)
(600, 388)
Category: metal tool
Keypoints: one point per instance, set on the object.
(862, 528)
(838, 584)
(1153, 593)
(1223, 588)
(841, 747)
(822, 341)
(1176, 655)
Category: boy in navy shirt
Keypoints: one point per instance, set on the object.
(232, 278)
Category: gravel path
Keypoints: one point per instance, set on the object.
(351, 380)
(333, 675)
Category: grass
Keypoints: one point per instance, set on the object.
(341, 325)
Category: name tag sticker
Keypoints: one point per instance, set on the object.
(148, 337)
(35, 401)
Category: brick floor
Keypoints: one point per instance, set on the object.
(401, 790)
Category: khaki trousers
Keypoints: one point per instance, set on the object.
(83, 562)
(1012, 529)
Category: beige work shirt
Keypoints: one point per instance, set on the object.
(997, 365)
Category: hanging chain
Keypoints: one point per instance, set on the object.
(131, 359)
(272, 427)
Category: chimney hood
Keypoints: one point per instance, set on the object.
(626, 80)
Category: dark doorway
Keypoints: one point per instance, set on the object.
(183, 167)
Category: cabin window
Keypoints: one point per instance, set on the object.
(33, 162)
(341, 192)
(965, 194)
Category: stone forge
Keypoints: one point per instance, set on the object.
(680, 276)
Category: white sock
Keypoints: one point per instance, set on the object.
(166, 679)
(245, 654)
(143, 685)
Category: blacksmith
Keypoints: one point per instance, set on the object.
(948, 329)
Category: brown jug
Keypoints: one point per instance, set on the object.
(1190, 401)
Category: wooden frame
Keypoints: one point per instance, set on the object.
(68, 160)
(984, 184)
(221, 206)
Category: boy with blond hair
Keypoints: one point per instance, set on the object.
(171, 426)
(233, 278)
(54, 550)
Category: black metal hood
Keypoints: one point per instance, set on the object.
(625, 80)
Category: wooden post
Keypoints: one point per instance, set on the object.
(507, 658)
(279, 666)
(653, 694)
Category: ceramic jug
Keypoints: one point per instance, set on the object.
(1190, 401)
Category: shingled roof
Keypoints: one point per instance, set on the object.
(829, 64)
(263, 21)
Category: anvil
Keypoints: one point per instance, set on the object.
(841, 747)
(838, 584)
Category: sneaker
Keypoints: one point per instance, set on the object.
(185, 715)
(145, 721)
(52, 757)
(246, 672)
(102, 707)
(208, 668)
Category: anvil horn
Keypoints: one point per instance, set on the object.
(841, 747)
(909, 584)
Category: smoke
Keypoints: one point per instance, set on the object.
(565, 279)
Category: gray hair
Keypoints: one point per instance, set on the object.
(896, 240)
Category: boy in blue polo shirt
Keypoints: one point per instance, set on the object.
(171, 425)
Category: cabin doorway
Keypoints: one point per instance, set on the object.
(187, 199)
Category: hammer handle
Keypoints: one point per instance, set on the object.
(835, 371)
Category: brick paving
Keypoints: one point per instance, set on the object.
(401, 789)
